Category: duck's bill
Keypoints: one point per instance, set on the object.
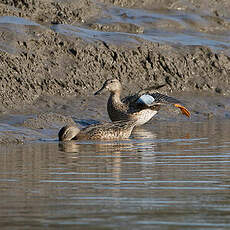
(183, 110)
(100, 91)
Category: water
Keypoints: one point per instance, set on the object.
(168, 175)
(126, 26)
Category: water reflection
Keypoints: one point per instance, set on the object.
(167, 175)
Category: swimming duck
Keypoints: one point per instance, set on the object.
(140, 107)
(105, 131)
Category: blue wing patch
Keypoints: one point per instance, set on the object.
(145, 99)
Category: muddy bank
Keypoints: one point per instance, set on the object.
(49, 11)
(52, 64)
(81, 69)
(37, 61)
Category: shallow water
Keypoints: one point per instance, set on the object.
(168, 175)
(124, 25)
(127, 26)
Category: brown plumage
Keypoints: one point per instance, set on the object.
(105, 131)
(140, 107)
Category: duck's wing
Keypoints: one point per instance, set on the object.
(133, 98)
(162, 99)
(152, 100)
(130, 99)
(158, 98)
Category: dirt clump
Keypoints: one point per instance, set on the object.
(50, 11)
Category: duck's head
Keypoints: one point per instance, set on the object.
(112, 85)
(68, 132)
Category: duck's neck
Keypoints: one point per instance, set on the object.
(115, 98)
(116, 108)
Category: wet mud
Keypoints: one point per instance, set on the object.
(55, 54)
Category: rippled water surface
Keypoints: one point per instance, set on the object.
(171, 175)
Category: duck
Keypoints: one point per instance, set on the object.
(140, 107)
(105, 131)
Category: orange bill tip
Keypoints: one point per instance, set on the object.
(183, 110)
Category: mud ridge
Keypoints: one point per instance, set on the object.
(42, 62)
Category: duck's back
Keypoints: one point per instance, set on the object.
(107, 131)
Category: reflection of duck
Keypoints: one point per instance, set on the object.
(143, 133)
(99, 147)
(105, 131)
(140, 107)
(69, 146)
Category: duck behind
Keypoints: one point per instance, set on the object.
(140, 107)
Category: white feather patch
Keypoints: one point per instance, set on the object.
(146, 99)
(144, 116)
